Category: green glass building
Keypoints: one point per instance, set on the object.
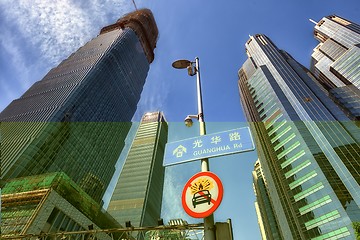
(138, 193)
(76, 118)
(308, 148)
(269, 227)
(50, 203)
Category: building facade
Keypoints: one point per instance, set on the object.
(336, 62)
(50, 203)
(138, 193)
(76, 118)
(268, 224)
(308, 149)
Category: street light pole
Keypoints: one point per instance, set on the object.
(209, 228)
(204, 162)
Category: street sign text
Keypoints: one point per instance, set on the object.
(212, 145)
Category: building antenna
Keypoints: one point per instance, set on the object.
(134, 5)
(312, 21)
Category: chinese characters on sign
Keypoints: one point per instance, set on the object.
(212, 145)
(197, 143)
(234, 136)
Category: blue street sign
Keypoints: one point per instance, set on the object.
(206, 146)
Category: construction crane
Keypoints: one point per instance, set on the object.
(134, 5)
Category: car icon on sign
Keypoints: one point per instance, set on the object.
(200, 197)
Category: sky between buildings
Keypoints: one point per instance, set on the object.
(36, 35)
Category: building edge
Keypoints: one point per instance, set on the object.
(143, 23)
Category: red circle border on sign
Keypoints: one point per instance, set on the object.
(218, 200)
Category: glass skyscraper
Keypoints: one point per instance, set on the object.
(76, 118)
(268, 225)
(336, 62)
(308, 148)
(138, 193)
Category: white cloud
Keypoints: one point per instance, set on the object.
(52, 27)
(8, 43)
(56, 28)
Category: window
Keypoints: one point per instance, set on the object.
(308, 191)
(303, 179)
(323, 219)
(340, 20)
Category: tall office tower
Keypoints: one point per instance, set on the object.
(269, 227)
(310, 160)
(76, 118)
(138, 193)
(336, 62)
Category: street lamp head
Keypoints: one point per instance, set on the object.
(191, 71)
(181, 64)
(188, 121)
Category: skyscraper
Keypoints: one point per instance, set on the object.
(308, 149)
(268, 225)
(138, 193)
(336, 62)
(76, 118)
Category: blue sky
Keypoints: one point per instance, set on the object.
(36, 35)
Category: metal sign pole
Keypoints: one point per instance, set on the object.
(209, 227)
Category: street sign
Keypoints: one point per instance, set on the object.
(212, 145)
(202, 194)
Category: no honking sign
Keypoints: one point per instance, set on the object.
(202, 194)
